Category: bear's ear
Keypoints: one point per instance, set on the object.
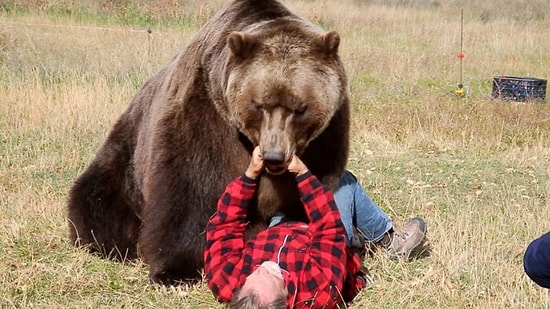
(327, 43)
(241, 44)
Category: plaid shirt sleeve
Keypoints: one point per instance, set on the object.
(223, 261)
(356, 278)
(326, 271)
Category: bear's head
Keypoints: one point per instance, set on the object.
(284, 82)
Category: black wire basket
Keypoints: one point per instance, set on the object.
(519, 89)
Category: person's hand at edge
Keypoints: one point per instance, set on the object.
(297, 167)
(256, 165)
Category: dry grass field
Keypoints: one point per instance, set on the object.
(477, 169)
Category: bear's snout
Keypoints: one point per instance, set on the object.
(274, 157)
(274, 162)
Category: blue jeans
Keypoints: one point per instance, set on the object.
(357, 210)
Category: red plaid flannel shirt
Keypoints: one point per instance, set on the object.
(321, 272)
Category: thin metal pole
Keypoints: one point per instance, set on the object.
(461, 41)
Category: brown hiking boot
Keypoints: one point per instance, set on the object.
(407, 238)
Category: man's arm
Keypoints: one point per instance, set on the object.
(327, 265)
(223, 264)
(328, 234)
(225, 239)
(329, 247)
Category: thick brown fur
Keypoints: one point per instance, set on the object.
(256, 74)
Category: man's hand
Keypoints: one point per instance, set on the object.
(296, 166)
(256, 165)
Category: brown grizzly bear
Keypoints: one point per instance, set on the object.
(256, 74)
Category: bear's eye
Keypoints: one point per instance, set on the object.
(258, 105)
(300, 110)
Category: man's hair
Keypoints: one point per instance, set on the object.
(251, 300)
